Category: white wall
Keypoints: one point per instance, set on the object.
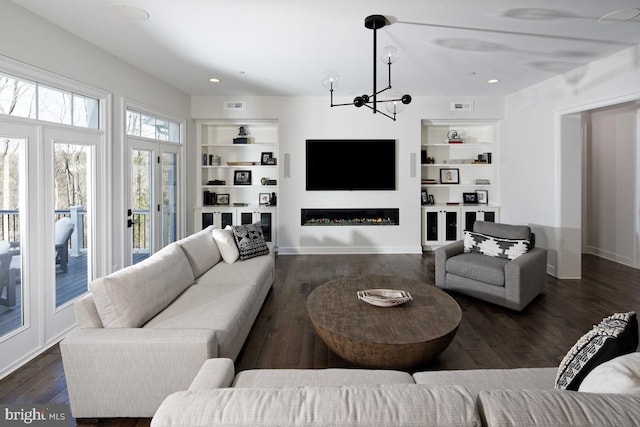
(302, 118)
(27, 38)
(534, 166)
(610, 205)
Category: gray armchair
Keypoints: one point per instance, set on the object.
(509, 283)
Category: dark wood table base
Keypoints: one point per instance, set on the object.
(399, 337)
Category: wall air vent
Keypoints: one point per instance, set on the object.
(234, 105)
(462, 106)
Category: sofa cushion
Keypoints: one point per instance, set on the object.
(279, 378)
(503, 231)
(227, 244)
(201, 251)
(223, 308)
(255, 271)
(87, 315)
(494, 246)
(612, 337)
(386, 405)
(133, 295)
(520, 408)
(478, 267)
(620, 375)
(250, 240)
(476, 380)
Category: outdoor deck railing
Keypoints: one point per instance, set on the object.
(10, 228)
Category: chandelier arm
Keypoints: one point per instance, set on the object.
(380, 111)
(342, 105)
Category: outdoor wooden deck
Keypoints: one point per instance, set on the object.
(69, 286)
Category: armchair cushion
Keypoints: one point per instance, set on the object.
(494, 246)
(479, 267)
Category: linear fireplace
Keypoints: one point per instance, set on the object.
(385, 216)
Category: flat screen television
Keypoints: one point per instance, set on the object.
(351, 164)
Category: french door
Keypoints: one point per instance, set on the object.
(153, 181)
(49, 225)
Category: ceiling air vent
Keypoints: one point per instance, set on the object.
(462, 106)
(234, 105)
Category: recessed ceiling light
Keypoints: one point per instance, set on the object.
(130, 12)
(214, 80)
(492, 81)
(621, 15)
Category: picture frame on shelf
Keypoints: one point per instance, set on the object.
(483, 196)
(449, 176)
(242, 177)
(264, 199)
(470, 198)
(222, 199)
(265, 157)
(424, 197)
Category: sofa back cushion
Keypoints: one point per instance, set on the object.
(201, 251)
(384, 405)
(130, 297)
(520, 408)
(503, 231)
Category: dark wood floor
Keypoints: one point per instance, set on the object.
(489, 336)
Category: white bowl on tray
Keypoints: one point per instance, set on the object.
(384, 297)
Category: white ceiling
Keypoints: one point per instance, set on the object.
(283, 47)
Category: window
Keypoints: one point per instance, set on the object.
(33, 100)
(152, 127)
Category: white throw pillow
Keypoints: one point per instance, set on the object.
(227, 244)
(620, 375)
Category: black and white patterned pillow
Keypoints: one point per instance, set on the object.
(495, 246)
(614, 336)
(250, 240)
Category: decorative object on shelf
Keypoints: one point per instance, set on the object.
(272, 182)
(393, 103)
(454, 137)
(423, 157)
(449, 176)
(240, 204)
(208, 198)
(265, 157)
(242, 177)
(424, 197)
(242, 136)
(431, 200)
(470, 198)
(483, 196)
(384, 297)
(217, 182)
(222, 199)
(273, 201)
(482, 181)
(241, 163)
(205, 159)
(271, 161)
(264, 180)
(264, 199)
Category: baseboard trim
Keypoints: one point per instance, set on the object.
(348, 250)
(611, 256)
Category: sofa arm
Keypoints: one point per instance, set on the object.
(128, 372)
(525, 277)
(442, 254)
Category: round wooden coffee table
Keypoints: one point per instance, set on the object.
(399, 337)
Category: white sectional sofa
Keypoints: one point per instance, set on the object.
(359, 397)
(145, 331)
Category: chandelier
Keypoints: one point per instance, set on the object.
(393, 103)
